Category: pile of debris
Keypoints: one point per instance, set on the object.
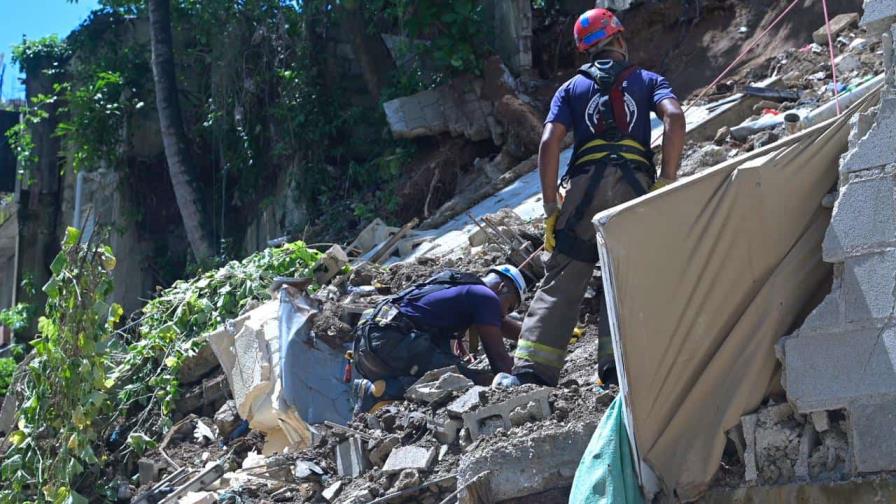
(791, 85)
(440, 444)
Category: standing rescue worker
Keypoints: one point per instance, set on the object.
(411, 333)
(607, 105)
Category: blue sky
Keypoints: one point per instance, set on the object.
(35, 19)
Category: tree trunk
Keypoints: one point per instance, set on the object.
(373, 55)
(174, 138)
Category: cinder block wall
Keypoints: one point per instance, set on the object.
(844, 356)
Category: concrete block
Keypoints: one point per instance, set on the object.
(830, 370)
(854, 227)
(382, 449)
(751, 471)
(148, 471)
(471, 399)
(878, 147)
(820, 420)
(868, 285)
(427, 390)
(418, 458)
(351, 458)
(453, 108)
(445, 429)
(837, 24)
(808, 440)
(871, 435)
(331, 492)
(828, 314)
(528, 465)
(878, 14)
(474, 420)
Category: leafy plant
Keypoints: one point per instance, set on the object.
(173, 327)
(17, 317)
(7, 369)
(65, 386)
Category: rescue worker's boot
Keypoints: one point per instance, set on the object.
(366, 394)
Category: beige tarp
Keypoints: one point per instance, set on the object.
(703, 278)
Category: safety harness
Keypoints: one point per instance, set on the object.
(386, 311)
(386, 314)
(610, 144)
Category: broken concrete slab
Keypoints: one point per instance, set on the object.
(524, 466)
(869, 294)
(807, 444)
(417, 458)
(820, 420)
(475, 420)
(854, 230)
(438, 385)
(332, 492)
(227, 419)
(751, 471)
(330, 265)
(878, 15)
(878, 147)
(837, 25)
(469, 401)
(871, 434)
(453, 108)
(351, 458)
(381, 450)
(445, 429)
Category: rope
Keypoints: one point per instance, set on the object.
(742, 54)
(827, 26)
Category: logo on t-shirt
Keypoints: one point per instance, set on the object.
(592, 111)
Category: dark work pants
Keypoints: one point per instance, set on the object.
(400, 357)
(554, 310)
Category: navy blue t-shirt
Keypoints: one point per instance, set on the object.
(575, 104)
(456, 308)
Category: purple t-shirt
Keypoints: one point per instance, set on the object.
(576, 104)
(456, 308)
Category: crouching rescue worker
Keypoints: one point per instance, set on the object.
(607, 106)
(411, 333)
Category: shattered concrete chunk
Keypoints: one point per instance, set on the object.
(751, 472)
(837, 24)
(408, 478)
(351, 458)
(381, 450)
(410, 457)
(227, 419)
(474, 420)
(470, 400)
(331, 492)
(434, 391)
(820, 420)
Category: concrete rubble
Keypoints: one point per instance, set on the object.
(834, 423)
(841, 358)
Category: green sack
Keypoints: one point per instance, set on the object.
(606, 473)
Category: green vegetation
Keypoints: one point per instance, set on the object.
(87, 381)
(173, 327)
(65, 383)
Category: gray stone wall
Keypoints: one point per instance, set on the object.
(844, 356)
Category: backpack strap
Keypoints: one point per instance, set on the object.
(610, 85)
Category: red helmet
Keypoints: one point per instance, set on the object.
(595, 26)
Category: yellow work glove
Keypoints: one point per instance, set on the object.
(550, 226)
(660, 183)
(577, 333)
